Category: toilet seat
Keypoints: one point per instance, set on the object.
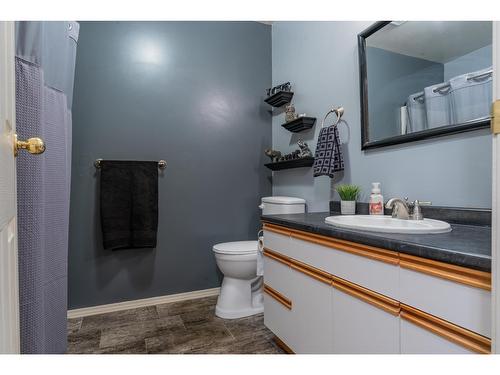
(236, 248)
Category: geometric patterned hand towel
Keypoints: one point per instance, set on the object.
(328, 156)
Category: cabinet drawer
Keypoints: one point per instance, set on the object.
(422, 333)
(443, 296)
(369, 267)
(277, 239)
(277, 273)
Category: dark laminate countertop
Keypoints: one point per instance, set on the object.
(465, 245)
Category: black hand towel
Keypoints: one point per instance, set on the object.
(328, 156)
(129, 204)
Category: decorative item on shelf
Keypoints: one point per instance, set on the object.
(348, 196)
(304, 149)
(283, 87)
(290, 114)
(274, 155)
(279, 95)
(302, 157)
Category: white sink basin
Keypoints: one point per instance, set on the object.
(386, 224)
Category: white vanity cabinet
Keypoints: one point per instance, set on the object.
(325, 295)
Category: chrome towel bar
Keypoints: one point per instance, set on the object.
(162, 164)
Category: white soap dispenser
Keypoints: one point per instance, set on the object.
(376, 205)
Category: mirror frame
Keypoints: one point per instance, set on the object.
(404, 138)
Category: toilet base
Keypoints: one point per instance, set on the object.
(235, 314)
(239, 298)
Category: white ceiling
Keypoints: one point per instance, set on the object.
(438, 41)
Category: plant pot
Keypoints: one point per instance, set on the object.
(347, 207)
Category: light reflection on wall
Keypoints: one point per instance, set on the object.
(217, 106)
(148, 51)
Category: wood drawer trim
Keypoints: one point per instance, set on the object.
(297, 265)
(458, 274)
(366, 251)
(278, 296)
(277, 256)
(369, 296)
(276, 229)
(283, 345)
(447, 330)
(311, 271)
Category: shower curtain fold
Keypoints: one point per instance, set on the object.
(45, 60)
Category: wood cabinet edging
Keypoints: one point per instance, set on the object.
(447, 330)
(458, 274)
(369, 296)
(462, 275)
(277, 296)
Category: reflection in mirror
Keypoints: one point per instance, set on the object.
(421, 79)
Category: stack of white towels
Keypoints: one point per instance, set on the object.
(462, 99)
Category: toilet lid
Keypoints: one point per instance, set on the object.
(238, 247)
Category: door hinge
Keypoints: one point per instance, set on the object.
(495, 117)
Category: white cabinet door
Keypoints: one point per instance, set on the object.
(278, 318)
(362, 328)
(416, 340)
(311, 315)
(277, 303)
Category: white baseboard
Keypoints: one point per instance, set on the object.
(112, 307)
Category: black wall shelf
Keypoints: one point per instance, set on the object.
(289, 164)
(279, 99)
(300, 124)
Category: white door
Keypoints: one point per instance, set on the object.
(9, 295)
(495, 248)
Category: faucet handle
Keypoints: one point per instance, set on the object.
(417, 212)
(422, 203)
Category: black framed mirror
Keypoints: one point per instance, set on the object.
(424, 79)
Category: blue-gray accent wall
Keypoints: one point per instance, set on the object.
(187, 92)
(320, 59)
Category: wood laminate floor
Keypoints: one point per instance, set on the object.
(175, 328)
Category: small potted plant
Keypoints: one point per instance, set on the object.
(348, 195)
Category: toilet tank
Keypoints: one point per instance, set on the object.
(282, 205)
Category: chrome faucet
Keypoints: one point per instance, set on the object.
(401, 209)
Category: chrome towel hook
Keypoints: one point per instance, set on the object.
(339, 111)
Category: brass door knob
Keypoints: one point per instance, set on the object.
(33, 145)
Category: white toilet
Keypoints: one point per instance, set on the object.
(241, 290)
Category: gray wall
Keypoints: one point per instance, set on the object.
(476, 60)
(452, 171)
(190, 93)
(392, 77)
